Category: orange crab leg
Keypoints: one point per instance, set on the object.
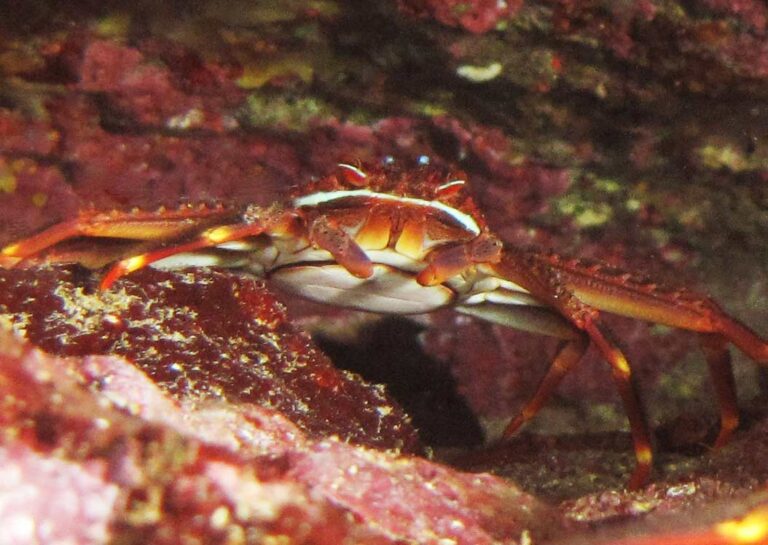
(136, 225)
(568, 355)
(622, 294)
(692, 313)
(622, 375)
(634, 298)
(49, 237)
(715, 348)
(739, 334)
(547, 284)
(209, 238)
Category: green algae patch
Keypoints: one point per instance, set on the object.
(293, 113)
(585, 213)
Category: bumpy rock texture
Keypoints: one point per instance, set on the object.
(632, 131)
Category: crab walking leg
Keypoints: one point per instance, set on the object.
(715, 348)
(569, 353)
(137, 225)
(683, 309)
(46, 239)
(209, 238)
(739, 334)
(602, 288)
(542, 321)
(622, 375)
(578, 335)
(548, 284)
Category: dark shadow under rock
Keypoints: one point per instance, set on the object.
(389, 353)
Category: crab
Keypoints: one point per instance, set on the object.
(411, 242)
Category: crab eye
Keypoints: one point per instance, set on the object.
(352, 174)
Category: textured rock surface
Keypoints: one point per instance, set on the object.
(202, 337)
(94, 451)
(632, 132)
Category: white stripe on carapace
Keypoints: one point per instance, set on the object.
(321, 197)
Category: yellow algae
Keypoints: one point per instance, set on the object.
(715, 157)
(257, 74)
(584, 212)
(39, 199)
(8, 181)
(114, 25)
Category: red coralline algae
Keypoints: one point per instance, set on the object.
(26, 136)
(477, 16)
(116, 457)
(746, 54)
(45, 499)
(127, 463)
(84, 148)
(751, 12)
(455, 506)
(34, 195)
(94, 167)
(146, 92)
(196, 169)
(204, 337)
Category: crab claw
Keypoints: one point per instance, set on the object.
(443, 264)
(450, 261)
(341, 246)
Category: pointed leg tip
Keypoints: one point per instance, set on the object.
(639, 478)
(121, 268)
(723, 438)
(642, 472)
(513, 427)
(110, 278)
